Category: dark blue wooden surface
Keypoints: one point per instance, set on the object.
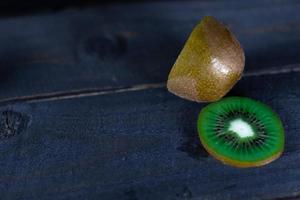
(117, 46)
(84, 113)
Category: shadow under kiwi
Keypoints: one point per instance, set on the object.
(190, 143)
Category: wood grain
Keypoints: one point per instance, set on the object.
(84, 113)
(122, 45)
(139, 145)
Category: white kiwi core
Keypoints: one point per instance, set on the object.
(241, 128)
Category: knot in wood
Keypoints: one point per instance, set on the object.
(11, 123)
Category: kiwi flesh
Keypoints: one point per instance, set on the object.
(209, 65)
(241, 132)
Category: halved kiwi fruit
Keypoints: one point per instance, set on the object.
(241, 132)
(209, 65)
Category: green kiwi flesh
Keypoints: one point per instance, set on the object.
(241, 132)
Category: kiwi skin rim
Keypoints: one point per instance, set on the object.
(240, 164)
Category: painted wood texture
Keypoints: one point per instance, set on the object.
(138, 145)
(124, 45)
(83, 113)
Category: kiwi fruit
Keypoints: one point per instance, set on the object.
(241, 132)
(209, 65)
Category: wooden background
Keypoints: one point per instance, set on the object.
(84, 112)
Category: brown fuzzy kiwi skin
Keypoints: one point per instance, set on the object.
(239, 164)
(209, 65)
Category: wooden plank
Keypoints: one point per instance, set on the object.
(123, 45)
(138, 145)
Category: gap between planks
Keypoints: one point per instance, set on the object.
(111, 90)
